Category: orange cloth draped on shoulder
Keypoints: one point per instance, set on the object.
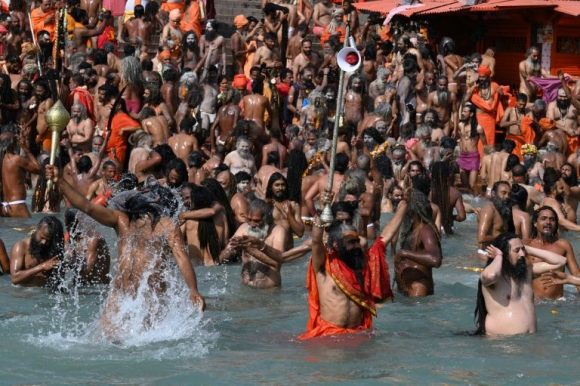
(83, 96)
(376, 286)
(250, 58)
(191, 20)
(168, 7)
(340, 31)
(527, 135)
(489, 113)
(118, 141)
(38, 17)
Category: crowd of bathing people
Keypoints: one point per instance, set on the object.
(205, 143)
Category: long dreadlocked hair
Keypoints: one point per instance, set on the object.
(440, 193)
(201, 198)
(220, 195)
(131, 71)
(297, 164)
(419, 206)
(40, 197)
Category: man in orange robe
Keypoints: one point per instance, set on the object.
(485, 96)
(43, 18)
(527, 135)
(344, 282)
(192, 18)
(121, 126)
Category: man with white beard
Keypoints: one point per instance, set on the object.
(260, 242)
(80, 128)
(241, 159)
(528, 68)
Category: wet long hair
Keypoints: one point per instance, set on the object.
(7, 145)
(297, 164)
(56, 248)
(202, 198)
(220, 196)
(419, 207)
(40, 197)
(440, 186)
(480, 314)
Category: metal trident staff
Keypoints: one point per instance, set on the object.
(326, 215)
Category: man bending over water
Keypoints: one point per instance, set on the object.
(505, 297)
(144, 223)
(34, 258)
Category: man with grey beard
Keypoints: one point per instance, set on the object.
(241, 159)
(80, 128)
(261, 243)
(528, 68)
(444, 102)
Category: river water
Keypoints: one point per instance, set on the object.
(247, 336)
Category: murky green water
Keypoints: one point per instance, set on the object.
(247, 336)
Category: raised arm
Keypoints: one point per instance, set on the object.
(551, 260)
(492, 272)
(392, 228)
(101, 214)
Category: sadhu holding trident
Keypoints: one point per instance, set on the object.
(343, 280)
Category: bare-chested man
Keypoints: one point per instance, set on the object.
(286, 213)
(44, 103)
(213, 51)
(146, 221)
(92, 7)
(494, 169)
(496, 216)
(255, 105)
(307, 57)
(34, 259)
(269, 53)
(14, 167)
(545, 236)
(83, 171)
(152, 99)
(556, 191)
(450, 62)
(261, 243)
(444, 102)
(318, 188)
(354, 100)
(208, 105)
(505, 297)
(184, 142)
(530, 67)
(512, 118)
(80, 128)
(469, 134)
(420, 248)
(239, 202)
(139, 29)
(105, 99)
(321, 16)
(267, 169)
(88, 254)
(226, 119)
(565, 115)
(241, 159)
(154, 125)
(101, 190)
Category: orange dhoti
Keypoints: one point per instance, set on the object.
(376, 286)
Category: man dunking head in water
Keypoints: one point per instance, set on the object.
(144, 220)
(505, 298)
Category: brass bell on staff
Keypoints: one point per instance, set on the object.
(57, 118)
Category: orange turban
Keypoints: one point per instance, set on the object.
(240, 82)
(546, 124)
(165, 54)
(241, 21)
(484, 71)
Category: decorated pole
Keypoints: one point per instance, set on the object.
(348, 59)
(57, 117)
